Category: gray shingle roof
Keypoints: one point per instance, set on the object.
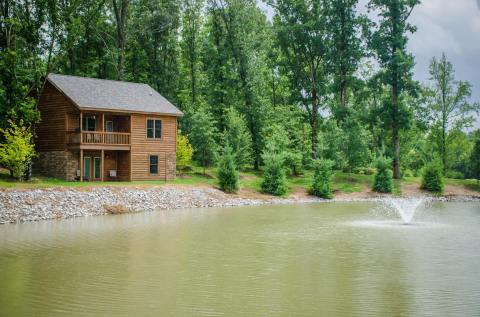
(101, 94)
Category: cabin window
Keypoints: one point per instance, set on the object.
(109, 126)
(154, 129)
(89, 123)
(153, 164)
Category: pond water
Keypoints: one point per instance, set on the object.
(332, 259)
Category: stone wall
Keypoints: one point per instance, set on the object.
(171, 165)
(58, 164)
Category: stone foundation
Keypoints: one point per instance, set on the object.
(58, 164)
(171, 165)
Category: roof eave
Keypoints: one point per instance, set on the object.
(83, 108)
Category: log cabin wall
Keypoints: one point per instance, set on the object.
(53, 106)
(142, 147)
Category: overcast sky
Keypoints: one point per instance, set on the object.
(450, 26)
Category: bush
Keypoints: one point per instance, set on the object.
(432, 179)
(322, 178)
(383, 182)
(184, 152)
(18, 151)
(227, 172)
(274, 179)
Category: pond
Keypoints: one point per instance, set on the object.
(330, 259)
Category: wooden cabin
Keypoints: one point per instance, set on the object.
(105, 130)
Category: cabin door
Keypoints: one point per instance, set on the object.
(97, 166)
(87, 167)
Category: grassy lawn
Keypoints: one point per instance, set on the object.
(251, 180)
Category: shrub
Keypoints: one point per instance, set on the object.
(454, 175)
(18, 151)
(432, 179)
(383, 182)
(274, 179)
(184, 152)
(322, 178)
(227, 172)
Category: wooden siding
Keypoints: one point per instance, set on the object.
(142, 147)
(53, 107)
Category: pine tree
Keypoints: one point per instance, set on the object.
(321, 186)
(432, 178)
(383, 182)
(274, 179)
(227, 171)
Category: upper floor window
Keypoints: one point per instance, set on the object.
(88, 123)
(154, 128)
(109, 126)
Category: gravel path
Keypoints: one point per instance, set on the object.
(57, 203)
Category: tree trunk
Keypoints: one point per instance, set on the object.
(395, 134)
(314, 122)
(120, 9)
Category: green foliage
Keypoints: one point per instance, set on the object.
(202, 136)
(321, 185)
(239, 138)
(355, 144)
(227, 172)
(17, 151)
(274, 178)
(475, 160)
(432, 178)
(184, 151)
(383, 182)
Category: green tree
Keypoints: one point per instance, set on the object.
(355, 144)
(450, 107)
(274, 178)
(321, 186)
(239, 138)
(17, 151)
(301, 28)
(389, 41)
(227, 171)
(202, 136)
(184, 151)
(432, 178)
(475, 161)
(383, 181)
(346, 49)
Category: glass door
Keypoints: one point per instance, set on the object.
(97, 168)
(87, 167)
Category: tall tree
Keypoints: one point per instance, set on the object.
(389, 41)
(450, 107)
(120, 10)
(301, 28)
(345, 48)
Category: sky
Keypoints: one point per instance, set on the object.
(450, 26)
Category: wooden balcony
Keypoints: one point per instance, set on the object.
(99, 140)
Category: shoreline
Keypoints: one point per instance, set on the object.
(26, 205)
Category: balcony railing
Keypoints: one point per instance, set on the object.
(98, 138)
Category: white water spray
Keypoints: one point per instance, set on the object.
(404, 207)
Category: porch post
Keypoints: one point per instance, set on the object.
(81, 165)
(101, 163)
(81, 121)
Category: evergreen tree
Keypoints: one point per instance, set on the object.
(227, 172)
(355, 144)
(321, 186)
(274, 179)
(239, 138)
(432, 178)
(202, 136)
(383, 182)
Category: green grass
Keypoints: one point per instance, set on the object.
(250, 180)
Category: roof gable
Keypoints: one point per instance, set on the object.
(109, 95)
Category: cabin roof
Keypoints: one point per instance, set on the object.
(110, 95)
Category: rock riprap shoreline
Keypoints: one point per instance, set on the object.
(18, 205)
(57, 203)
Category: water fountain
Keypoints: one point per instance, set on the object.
(404, 207)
